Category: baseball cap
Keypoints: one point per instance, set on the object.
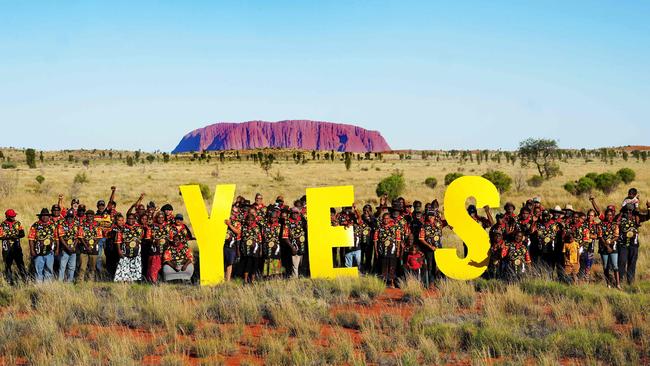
(10, 213)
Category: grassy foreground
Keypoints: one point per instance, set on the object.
(320, 322)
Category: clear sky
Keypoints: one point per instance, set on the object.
(427, 74)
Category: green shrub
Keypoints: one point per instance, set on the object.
(570, 187)
(535, 181)
(80, 178)
(205, 190)
(500, 180)
(607, 182)
(392, 186)
(452, 177)
(30, 157)
(431, 182)
(9, 165)
(585, 185)
(348, 319)
(627, 175)
(591, 176)
(40, 179)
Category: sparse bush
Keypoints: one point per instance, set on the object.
(535, 181)
(40, 179)
(431, 182)
(500, 180)
(205, 190)
(452, 177)
(9, 165)
(348, 319)
(393, 186)
(80, 178)
(129, 161)
(627, 175)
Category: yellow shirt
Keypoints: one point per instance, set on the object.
(572, 250)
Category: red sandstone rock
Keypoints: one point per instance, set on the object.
(305, 135)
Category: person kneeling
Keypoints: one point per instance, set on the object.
(178, 261)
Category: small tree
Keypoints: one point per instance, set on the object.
(627, 175)
(40, 157)
(165, 157)
(431, 182)
(542, 153)
(500, 180)
(452, 177)
(129, 160)
(151, 158)
(607, 182)
(392, 186)
(30, 157)
(348, 161)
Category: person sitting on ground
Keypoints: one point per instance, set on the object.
(178, 261)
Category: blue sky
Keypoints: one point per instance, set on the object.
(484, 74)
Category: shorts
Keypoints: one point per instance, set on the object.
(572, 269)
(229, 256)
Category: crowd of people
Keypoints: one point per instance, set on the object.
(393, 240)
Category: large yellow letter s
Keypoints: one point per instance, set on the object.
(471, 232)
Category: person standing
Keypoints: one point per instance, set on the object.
(387, 242)
(160, 233)
(545, 231)
(68, 231)
(295, 236)
(88, 236)
(368, 223)
(231, 244)
(430, 239)
(607, 236)
(272, 231)
(589, 241)
(251, 246)
(11, 231)
(43, 243)
(571, 257)
(628, 243)
(129, 241)
(516, 257)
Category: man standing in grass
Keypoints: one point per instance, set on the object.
(89, 235)
(160, 234)
(67, 234)
(628, 244)
(251, 245)
(43, 243)
(272, 231)
(11, 231)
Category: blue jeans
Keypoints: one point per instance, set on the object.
(44, 265)
(353, 257)
(610, 260)
(100, 255)
(68, 263)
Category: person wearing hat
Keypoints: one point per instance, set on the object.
(628, 244)
(178, 261)
(251, 246)
(129, 242)
(272, 232)
(88, 235)
(388, 248)
(159, 236)
(168, 210)
(178, 227)
(43, 243)
(68, 231)
(11, 231)
(294, 235)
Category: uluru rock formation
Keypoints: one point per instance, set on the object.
(296, 134)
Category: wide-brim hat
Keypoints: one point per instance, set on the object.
(569, 208)
(44, 212)
(556, 209)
